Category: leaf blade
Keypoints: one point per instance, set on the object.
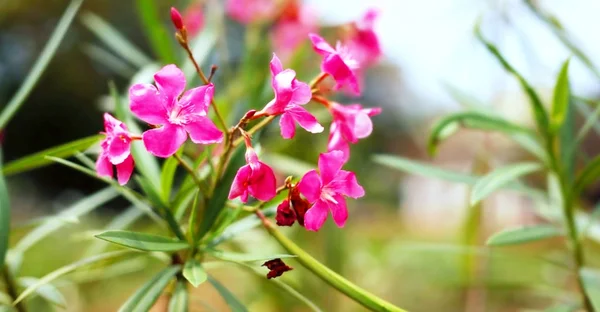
(522, 235)
(194, 273)
(143, 241)
(230, 299)
(499, 178)
(143, 299)
(560, 100)
(4, 217)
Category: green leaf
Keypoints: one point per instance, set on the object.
(194, 273)
(143, 299)
(114, 39)
(68, 269)
(524, 234)
(473, 120)
(40, 64)
(591, 285)
(143, 241)
(234, 304)
(39, 159)
(119, 222)
(108, 60)
(240, 257)
(47, 291)
(219, 197)
(179, 299)
(155, 30)
(560, 102)
(78, 209)
(4, 216)
(537, 107)
(145, 162)
(167, 175)
(239, 227)
(587, 176)
(423, 169)
(498, 178)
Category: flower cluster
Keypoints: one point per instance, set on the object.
(174, 114)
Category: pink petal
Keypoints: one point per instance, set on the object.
(196, 101)
(263, 183)
(330, 164)
(170, 81)
(111, 123)
(239, 185)
(146, 104)
(124, 170)
(345, 183)
(305, 119)
(337, 142)
(367, 21)
(288, 126)
(315, 216)
(320, 45)
(363, 126)
(302, 93)
(103, 166)
(203, 131)
(310, 186)
(118, 149)
(276, 66)
(334, 65)
(339, 211)
(164, 141)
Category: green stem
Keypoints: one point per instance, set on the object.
(11, 288)
(365, 298)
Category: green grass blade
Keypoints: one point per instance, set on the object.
(234, 304)
(143, 241)
(143, 299)
(68, 269)
(40, 65)
(39, 159)
(156, 31)
(4, 217)
(76, 210)
(114, 40)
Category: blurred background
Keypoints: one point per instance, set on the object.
(411, 240)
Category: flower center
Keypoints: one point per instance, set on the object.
(327, 195)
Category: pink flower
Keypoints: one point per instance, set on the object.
(194, 19)
(327, 190)
(255, 178)
(115, 151)
(338, 62)
(362, 39)
(162, 105)
(250, 11)
(291, 28)
(350, 123)
(289, 95)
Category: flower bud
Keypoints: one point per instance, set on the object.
(176, 18)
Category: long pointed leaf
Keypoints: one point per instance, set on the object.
(143, 241)
(499, 178)
(4, 217)
(523, 234)
(143, 299)
(234, 304)
(39, 159)
(40, 65)
(560, 102)
(156, 31)
(47, 291)
(179, 299)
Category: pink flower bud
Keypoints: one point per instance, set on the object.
(176, 18)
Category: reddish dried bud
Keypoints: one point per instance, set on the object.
(299, 204)
(176, 18)
(250, 114)
(276, 267)
(285, 216)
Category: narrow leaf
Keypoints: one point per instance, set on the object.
(499, 178)
(143, 299)
(560, 102)
(40, 64)
(143, 241)
(4, 216)
(114, 40)
(587, 176)
(39, 159)
(423, 169)
(194, 273)
(522, 235)
(167, 175)
(537, 107)
(234, 304)
(240, 257)
(119, 222)
(155, 30)
(591, 285)
(78, 209)
(68, 269)
(108, 60)
(47, 291)
(179, 299)
(219, 197)
(239, 227)
(472, 120)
